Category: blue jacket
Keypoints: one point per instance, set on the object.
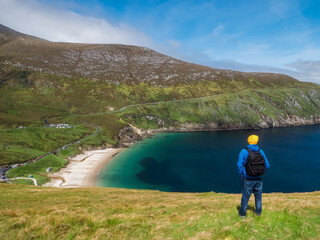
(243, 159)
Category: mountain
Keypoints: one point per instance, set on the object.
(112, 63)
(119, 88)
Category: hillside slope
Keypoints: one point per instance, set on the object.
(113, 86)
(101, 213)
(112, 63)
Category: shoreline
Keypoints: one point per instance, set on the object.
(83, 169)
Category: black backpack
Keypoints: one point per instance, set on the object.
(255, 164)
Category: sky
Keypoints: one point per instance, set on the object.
(280, 36)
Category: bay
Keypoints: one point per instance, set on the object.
(207, 161)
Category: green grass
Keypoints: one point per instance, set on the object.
(245, 107)
(22, 145)
(109, 126)
(27, 97)
(100, 213)
(38, 169)
(22, 181)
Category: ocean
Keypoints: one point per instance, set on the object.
(207, 161)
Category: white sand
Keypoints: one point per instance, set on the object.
(83, 169)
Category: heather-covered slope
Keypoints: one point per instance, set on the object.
(113, 63)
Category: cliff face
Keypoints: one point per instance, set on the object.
(128, 135)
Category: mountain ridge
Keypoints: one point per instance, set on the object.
(114, 63)
(7, 34)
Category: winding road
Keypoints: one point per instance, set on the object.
(33, 179)
(52, 152)
(147, 104)
(68, 145)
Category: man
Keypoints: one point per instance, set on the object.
(252, 160)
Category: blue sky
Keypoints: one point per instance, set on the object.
(246, 35)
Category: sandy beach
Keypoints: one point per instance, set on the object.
(83, 169)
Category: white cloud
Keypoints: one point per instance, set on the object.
(34, 18)
(238, 66)
(217, 31)
(308, 70)
(303, 70)
(284, 8)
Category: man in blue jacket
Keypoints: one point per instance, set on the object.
(250, 184)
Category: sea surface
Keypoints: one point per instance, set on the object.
(207, 161)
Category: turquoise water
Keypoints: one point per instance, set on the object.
(206, 161)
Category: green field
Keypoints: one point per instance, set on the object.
(22, 181)
(38, 169)
(28, 212)
(23, 145)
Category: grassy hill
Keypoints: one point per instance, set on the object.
(87, 83)
(254, 108)
(28, 97)
(113, 63)
(28, 212)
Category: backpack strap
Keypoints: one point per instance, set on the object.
(248, 149)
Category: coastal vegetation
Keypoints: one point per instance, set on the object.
(247, 108)
(30, 96)
(25, 144)
(28, 212)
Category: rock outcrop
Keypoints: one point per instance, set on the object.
(131, 134)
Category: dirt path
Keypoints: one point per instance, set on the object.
(33, 179)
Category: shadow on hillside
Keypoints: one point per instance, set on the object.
(250, 208)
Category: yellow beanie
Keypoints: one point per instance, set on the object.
(253, 139)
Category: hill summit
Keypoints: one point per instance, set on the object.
(112, 63)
